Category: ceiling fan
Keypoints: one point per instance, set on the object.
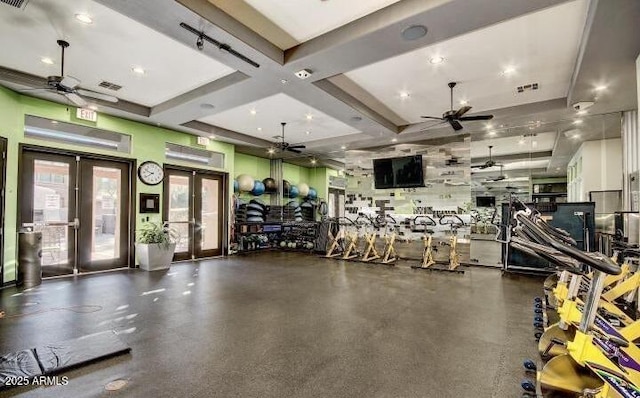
(488, 163)
(69, 86)
(497, 178)
(285, 146)
(454, 117)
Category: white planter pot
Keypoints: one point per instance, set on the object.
(154, 256)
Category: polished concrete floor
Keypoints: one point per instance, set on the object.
(285, 325)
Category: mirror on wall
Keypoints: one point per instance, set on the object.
(405, 186)
(539, 162)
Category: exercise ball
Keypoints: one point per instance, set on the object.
(236, 186)
(303, 189)
(312, 194)
(283, 244)
(285, 187)
(258, 188)
(245, 182)
(270, 185)
(293, 192)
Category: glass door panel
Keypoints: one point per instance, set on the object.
(178, 210)
(208, 204)
(47, 199)
(104, 215)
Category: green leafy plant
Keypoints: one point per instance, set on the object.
(155, 232)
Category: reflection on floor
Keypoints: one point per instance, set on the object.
(485, 250)
(285, 325)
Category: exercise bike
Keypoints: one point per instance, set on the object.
(454, 223)
(427, 239)
(593, 366)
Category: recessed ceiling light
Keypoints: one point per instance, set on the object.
(577, 121)
(47, 61)
(307, 132)
(284, 81)
(522, 141)
(404, 95)
(414, 32)
(259, 129)
(253, 112)
(464, 102)
(557, 168)
(84, 18)
(313, 161)
(436, 60)
(488, 126)
(509, 70)
(93, 107)
(601, 87)
(309, 117)
(582, 112)
(576, 136)
(343, 147)
(54, 122)
(394, 140)
(534, 144)
(492, 133)
(271, 150)
(138, 70)
(213, 137)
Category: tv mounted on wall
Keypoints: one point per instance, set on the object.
(403, 172)
(485, 201)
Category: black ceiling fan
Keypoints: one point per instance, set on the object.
(489, 163)
(454, 117)
(285, 146)
(69, 86)
(497, 178)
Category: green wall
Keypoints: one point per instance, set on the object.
(147, 143)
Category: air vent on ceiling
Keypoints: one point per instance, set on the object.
(109, 85)
(15, 3)
(527, 87)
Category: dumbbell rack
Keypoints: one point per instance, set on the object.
(253, 237)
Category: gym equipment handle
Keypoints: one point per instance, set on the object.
(599, 261)
(429, 221)
(450, 221)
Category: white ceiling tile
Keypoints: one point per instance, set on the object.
(304, 20)
(107, 49)
(542, 46)
(271, 111)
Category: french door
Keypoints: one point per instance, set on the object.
(193, 206)
(81, 206)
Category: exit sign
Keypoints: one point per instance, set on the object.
(87, 114)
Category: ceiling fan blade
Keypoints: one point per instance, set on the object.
(479, 117)
(76, 99)
(454, 123)
(297, 146)
(293, 150)
(480, 166)
(431, 117)
(96, 95)
(462, 111)
(69, 82)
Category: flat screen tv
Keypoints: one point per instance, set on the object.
(404, 172)
(485, 201)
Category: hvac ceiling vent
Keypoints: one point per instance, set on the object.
(15, 3)
(109, 85)
(527, 87)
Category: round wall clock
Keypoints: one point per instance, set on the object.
(150, 173)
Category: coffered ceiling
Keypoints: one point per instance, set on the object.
(361, 56)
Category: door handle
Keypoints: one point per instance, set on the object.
(75, 223)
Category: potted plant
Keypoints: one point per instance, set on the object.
(155, 244)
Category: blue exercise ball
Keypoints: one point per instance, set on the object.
(258, 188)
(236, 186)
(312, 193)
(293, 192)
